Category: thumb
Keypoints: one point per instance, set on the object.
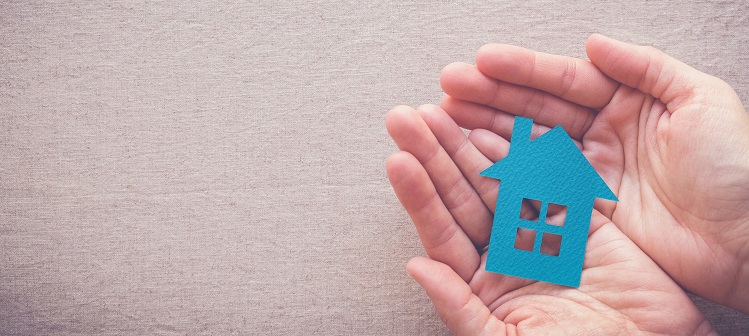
(461, 310)
(650, 71)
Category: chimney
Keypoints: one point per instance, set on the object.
(521, 132)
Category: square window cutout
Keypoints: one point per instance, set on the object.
(529, 210)
(550, 244)
(556, 214)
(524, 239)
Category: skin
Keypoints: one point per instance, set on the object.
(670, 141)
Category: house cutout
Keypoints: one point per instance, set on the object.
(551, 172)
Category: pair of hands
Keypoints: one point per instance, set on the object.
(670, 141)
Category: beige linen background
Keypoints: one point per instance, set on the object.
(217, 167)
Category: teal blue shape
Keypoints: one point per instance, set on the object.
(550, 169)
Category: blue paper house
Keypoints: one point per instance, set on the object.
(552, 172)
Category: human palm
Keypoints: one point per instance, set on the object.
(682, 175)
(621, 289)
(621, 292)
(670, 141)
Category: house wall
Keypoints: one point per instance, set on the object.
(504, 258)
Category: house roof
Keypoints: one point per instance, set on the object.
(550, 167)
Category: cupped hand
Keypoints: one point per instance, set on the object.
(435, 176)
(670, 141)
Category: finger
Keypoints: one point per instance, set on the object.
(442, 238)
(461, 310)
(468, 159)
(571, 79)
(645, 68)
(412, 134)
(491, 145)
(466, 82)
(472, 116)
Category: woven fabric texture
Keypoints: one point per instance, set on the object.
(218, 167)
